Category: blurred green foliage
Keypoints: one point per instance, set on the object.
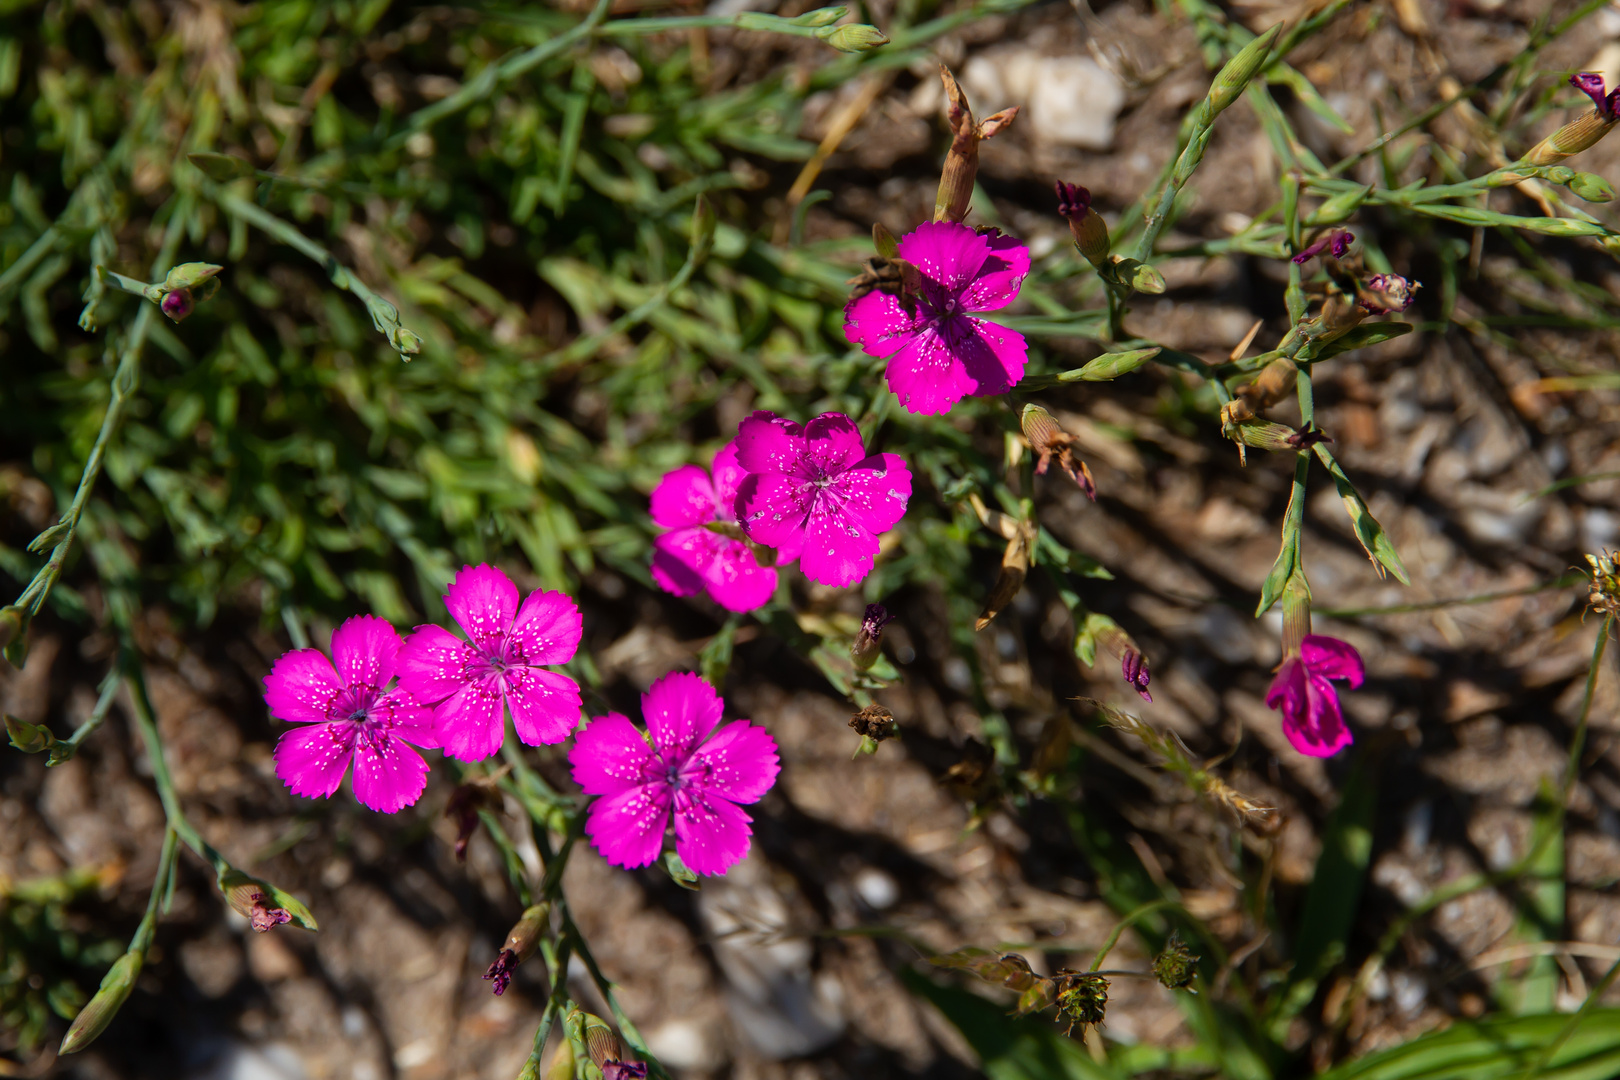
(48, 954)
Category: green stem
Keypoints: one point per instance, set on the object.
(67, 748)
(1432, 605)
(1119, 928)
(160, 888)
(1574, 1022)
(146, 723)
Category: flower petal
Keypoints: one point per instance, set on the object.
(875, 492)
(681, 559)
(364, 650)
(680, 709)
(946, 252)
(1000, 278)
(832, 443)
(927, 376)
(546, 631)
(301, 687)
(767, 443)
(993, 356)
(388, 775)
(771, 508)
(1287, 690)
(311, 761)
(685, 496)
(838, 550)
(1332, 659)
(470, 724)
(739, 763)
(711, 834)
(483, 600)
(610, 756)
(1321, 731)
(434, 663)
(544, 705)
(879, 325)
(728, 477)
(628, 828)
(404, 717)
(735, 579)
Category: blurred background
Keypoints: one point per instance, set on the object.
(278, 460)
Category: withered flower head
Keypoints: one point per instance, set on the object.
(869, 639)
(520, 944)
(1338, 240)
(1082, 997)
(1176, 965)
(962, 160)
(1089, 230)
(1383, 294)
(1604, 592)
(1050, 442)
(874, 722)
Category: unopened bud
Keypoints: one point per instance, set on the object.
(869, 639)
(100, 1010)
(190, 275)
(820, 17)
(607, 1052)
(178, 304)
(520, 945)
(562, 1064)
(11, 625)
(1338, 208)
(1583, 133)
(29, 738)
(1176, 965)
(405, 341)
(1133, 666)
(1235, 76)
(1089, 230)
(1338, 240)
(853, 38)
(1278, 438)
(1135, 274)
(1591, 187)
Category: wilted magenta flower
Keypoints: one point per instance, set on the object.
(691, 556)
(815, 495)
(938, 353)
(1591, 84)
(624, 1070)
(1339, 240)
(1309, 702)
(869, 639)
(469, 682)
(1133, 666)
(701, 778)
(349, 716)
(1384, 294)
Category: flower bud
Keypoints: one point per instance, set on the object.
(1235, 76)
(1592, 188)
(1133, 666)
(1337, 239)
(962, 160)
(562, 1064)
(820, 17)
(607, 1052)
(869, 639)
(11, 625)
(1176, 965)
(1278, 438)
(29, 738)
(1138, 275)
(520, 945)
(1089, 230)
(178, 304)
(189, 275)
(853, 38)
(405, 341)
(259, 903)
(100, 1010)
(1583, 133)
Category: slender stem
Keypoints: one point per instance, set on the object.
(146, 722)
(1119, 928)
(1431, 605)
(160, 888)
(65, 749)
(1592, 998)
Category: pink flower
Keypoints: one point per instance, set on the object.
(815, 495)
(469, 682)
(691, 557)
(348, 716)
(702, 781)
(937, 352)
(1308, 700)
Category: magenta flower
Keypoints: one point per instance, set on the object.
(1591, 84)
(700, 777)
(347, 715)
(691, 557)
(473, 684)
(815, 495)
(1309, 702)
(938, 353)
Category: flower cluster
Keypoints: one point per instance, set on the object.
(811, 492)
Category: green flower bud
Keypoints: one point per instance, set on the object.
(94, 1017)
(1240, 69)
(1591, 187)
(407, 342)
(189, 276)
(820, 17)
(29, 738)
(1339, 208)
(1560, 174)
(11, 625)
(1570, 139)
(854, 38)
(1110, 365)
(1138, 275)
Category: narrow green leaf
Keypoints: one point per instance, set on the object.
(1359, 337)
(1371, 535)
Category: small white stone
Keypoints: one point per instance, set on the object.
(1074, 101)
(879, 890)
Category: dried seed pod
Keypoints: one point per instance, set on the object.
(1176, 965)
(874, 722)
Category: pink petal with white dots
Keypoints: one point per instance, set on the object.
(878, 324)
(682, 557)
(628, 828)
(728, 477)
(768, 443)
(946, 252)
(610, 756)
(832, 443)
(311, 761)
(876, 491)
(1000, 278)
(471, 723)
(711, 834)
(546, 631)
(838, 550)
(927, 376)
(301, 687)
(739, 763)
(772, 508)
(685, 496)
(992, 355)
(735, 579)
(434, 663)
(483, 601)
(544, 705)
(364, 650)
(680, 709)
(388, 775)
